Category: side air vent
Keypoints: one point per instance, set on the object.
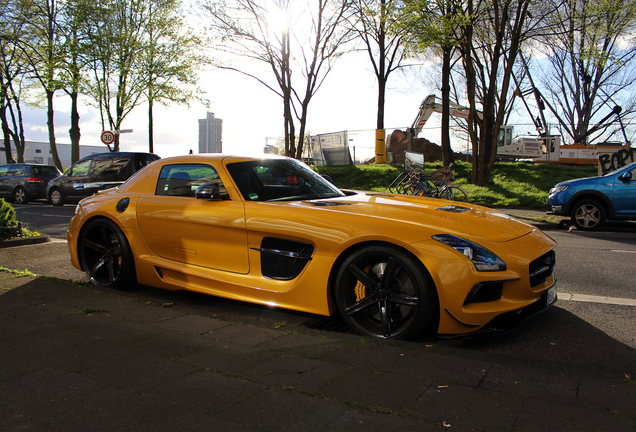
(541, 269)
(284, 259)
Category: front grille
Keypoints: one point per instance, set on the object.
(541, 269)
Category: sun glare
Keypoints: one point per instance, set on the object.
(278, 20)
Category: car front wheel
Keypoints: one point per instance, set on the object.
(56, 197)
(588, 215)
(106, 255)
(382, 291)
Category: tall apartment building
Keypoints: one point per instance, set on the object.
(210, 134)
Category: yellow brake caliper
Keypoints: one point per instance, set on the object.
(360, 289)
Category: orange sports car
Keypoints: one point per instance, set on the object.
(272, 231)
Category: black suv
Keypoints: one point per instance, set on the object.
(21, 182)
(96, 172)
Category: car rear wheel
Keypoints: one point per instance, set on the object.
(56, 197)
(381, 291)
(20, 196)
(106, 255)
(588, 215)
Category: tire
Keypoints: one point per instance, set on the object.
(453, 193)
(56, 198)
(399, 306)
(20, 196)
(106, 256)
(588, 215)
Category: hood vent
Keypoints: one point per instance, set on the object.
(453, 209)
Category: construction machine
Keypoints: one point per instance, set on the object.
(509, 147)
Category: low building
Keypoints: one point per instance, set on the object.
(40, 152)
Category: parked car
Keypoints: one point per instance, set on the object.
(95, 172)
(273, 232)
(589, 202)
(22, 182)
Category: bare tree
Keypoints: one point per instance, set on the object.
(297, 41)
(591, 62)
(489, 46)
(382, 40)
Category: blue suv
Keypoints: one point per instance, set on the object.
(591, 201)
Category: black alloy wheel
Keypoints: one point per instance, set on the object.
(106, 255)
(382, 291)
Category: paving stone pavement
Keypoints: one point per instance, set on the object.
(75, 357)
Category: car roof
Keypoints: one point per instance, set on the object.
(118, 154)
(226, 158)
(28, 164)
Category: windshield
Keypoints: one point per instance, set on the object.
(280, 180)
(633, 164)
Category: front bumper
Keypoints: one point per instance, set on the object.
(512, 320)
(556, 207)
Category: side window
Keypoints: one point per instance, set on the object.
(111, 166)
(3, 170)
(80, 168)
(184, 179)
(143, 160)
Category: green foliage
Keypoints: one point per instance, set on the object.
(8, 220)
(511, 184)
(362, 177)
(7, 215)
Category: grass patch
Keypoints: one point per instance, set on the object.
(512, 184)
(91, 311)
(19, 273)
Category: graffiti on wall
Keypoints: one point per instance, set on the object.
(608, 162)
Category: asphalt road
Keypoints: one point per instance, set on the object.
(595, 270)
(598, 263)
(45, 218)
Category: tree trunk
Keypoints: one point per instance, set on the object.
(151, 146)
(6, 133)
(49, 121)
(447, 151)
(74, 132)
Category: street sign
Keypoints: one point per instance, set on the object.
(108, 137)
(121, 131)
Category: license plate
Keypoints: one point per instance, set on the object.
(550, 296)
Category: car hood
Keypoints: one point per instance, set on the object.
(581, 180)
(435, 215)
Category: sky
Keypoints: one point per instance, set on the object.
(251, 113)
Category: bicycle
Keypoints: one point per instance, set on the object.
(438, 185)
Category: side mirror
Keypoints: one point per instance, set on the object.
(208, 191)
(625, 176)
(326, 177)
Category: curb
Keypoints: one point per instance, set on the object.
(24, 241)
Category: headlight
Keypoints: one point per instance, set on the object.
(558, 188)
(482, 258)
(78, 208)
